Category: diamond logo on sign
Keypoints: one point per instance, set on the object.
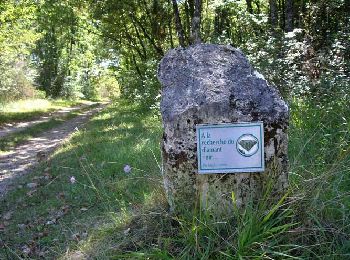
(230, 148)
(247, 145)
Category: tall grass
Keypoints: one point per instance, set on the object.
(320, 175)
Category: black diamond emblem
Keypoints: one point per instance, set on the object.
(247, 144)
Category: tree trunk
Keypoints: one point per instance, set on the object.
(178, 25)
(188, 19)
(289, 15)
(196, 22)
(249, 6)
(346, 11)
(171, 35)
(282, 17)
(273, 14)
(148, 36)
(257, 6)
(144, 56)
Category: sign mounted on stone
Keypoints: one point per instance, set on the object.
(206, 85)
(230, 148)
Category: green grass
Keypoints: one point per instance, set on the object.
(17, 138)
(320, 175)
(24, 110)
(118, 136)
(110, 214)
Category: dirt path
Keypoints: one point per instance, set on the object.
(19, 126)
(20, 160)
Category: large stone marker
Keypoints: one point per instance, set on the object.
(225, 129)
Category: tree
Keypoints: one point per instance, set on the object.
(289, 24)
(57, 23)
(273, 14)
(249, 6)
(17, 39)
(178, 24)
(72, 37)
(196, 22)
(65, 54)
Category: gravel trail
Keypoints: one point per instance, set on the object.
(21, 159)
(10, 128)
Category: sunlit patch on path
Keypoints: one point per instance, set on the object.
(19, 126)
(21, 159)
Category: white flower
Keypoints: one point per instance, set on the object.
(127, 168)
(72, 179)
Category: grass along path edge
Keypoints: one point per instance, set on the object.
(82, 184)
(33, 109)
(17, 138)
(13, 127)
(22, 159)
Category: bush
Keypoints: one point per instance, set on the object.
(140, 84)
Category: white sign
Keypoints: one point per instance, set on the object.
(229, 148)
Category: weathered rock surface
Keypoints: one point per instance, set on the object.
(208, 84)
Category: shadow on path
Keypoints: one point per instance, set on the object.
(19, 160)
(19, 126)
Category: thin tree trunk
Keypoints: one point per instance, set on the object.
(257, 6)
(171, 35)
(188, 16)
(282, 16)
(133, 42)
(191, 7)
(273, 14)
(178, 24)
(249, 6)
(136, 66)
(289, 15)
(346, 11)
(140, 41)
(151, 39)
(196, 22)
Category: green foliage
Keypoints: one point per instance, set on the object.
(66, 54)
(137, 33)
(84, 48)
(108, 85)
(145, 85)
(301, 62)
(17, 38)
(51, 46)
(77, 42)
(291, 62)
(232, 24)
